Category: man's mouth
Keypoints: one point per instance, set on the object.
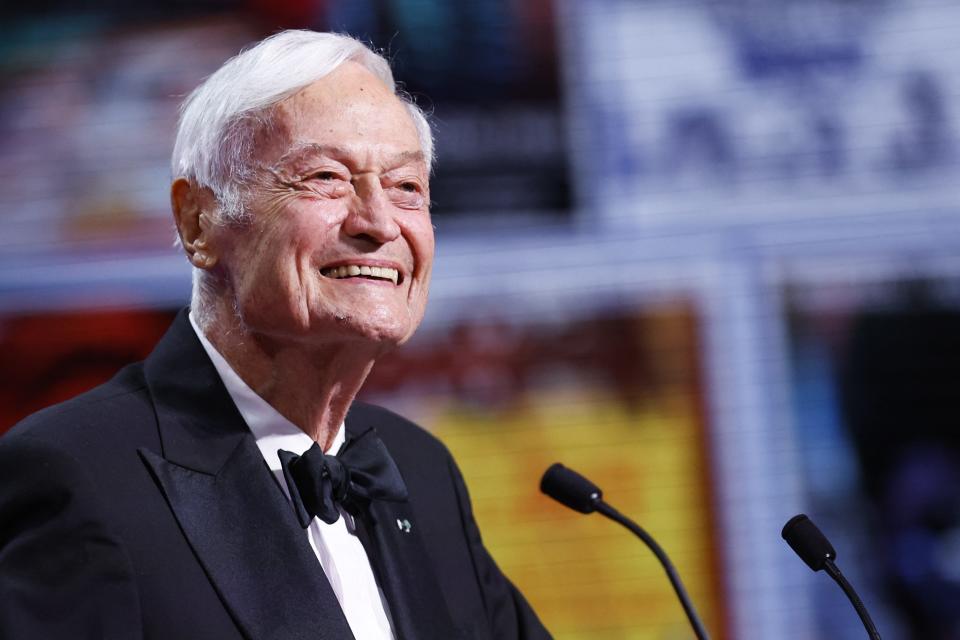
(362, 271)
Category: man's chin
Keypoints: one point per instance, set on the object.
(351, 330)
(325, 332)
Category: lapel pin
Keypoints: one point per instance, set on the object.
(404, 525)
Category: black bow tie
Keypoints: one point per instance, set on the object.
(362, 471)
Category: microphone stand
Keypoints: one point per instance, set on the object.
(616, 516)
(841, 580)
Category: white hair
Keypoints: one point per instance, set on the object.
(220, 118)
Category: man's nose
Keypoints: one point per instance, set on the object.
(371, 213)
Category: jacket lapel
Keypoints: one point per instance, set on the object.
(234, 515)
(394, 543)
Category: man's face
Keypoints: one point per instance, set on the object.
(340, 246)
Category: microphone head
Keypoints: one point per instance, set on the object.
(807, 541)
(569, 488)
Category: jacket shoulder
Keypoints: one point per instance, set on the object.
(397, 432)
(122, 400)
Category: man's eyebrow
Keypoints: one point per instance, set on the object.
(309, 148)
(405, 157)
(305, 150)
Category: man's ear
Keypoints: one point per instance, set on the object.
(193, 210)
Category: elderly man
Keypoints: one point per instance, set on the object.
(229, 486)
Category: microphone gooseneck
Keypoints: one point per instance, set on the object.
(572, 490)
(813, 548)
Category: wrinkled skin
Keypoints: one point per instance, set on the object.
(340, 179)
(348, 184)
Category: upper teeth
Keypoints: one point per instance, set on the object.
(354, 270)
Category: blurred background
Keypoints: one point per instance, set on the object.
(706, 252)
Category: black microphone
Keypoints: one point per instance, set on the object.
(813, 548)
(571, 489)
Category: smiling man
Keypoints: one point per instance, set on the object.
(229, 486)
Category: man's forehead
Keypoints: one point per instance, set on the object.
(349, 79)
(348, 92)
(349, 115)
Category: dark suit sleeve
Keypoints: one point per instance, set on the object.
(509, 613)
(62, 573)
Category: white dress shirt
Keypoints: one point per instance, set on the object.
(336, 545)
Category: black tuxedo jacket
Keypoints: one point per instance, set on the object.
(143, 509)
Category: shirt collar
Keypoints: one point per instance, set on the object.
(271, 430)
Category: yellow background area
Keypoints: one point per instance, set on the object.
(586, 576)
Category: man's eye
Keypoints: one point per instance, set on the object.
(326, 184)
(407, 194)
